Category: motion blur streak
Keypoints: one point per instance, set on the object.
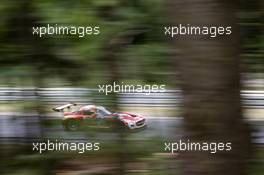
(214, 85)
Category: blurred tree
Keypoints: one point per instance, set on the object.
(210, 73)
(112, 57)
(251, 21)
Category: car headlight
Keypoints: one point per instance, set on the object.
(132, 124)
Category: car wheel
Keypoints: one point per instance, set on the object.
(121, 127)
(72, 125)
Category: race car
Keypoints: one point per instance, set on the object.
(98, 116)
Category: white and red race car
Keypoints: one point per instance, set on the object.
(98, 116)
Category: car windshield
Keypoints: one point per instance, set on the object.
(103, 112)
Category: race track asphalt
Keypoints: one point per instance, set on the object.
(15, 127)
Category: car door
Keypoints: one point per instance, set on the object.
(103, 119)
(89, 117)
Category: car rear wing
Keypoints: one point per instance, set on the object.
(61, 108)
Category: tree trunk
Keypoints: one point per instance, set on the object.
(209, 70)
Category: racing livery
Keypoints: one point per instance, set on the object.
(98, 116)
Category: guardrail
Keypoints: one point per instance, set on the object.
(170, 98)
